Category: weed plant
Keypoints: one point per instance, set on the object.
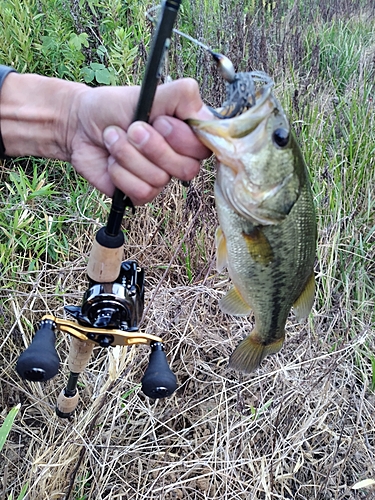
(301, 427)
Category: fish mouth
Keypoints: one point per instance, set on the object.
(240, 125)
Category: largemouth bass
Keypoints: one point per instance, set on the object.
(267, 232)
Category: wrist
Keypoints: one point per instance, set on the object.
(35, 112)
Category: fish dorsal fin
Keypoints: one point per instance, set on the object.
(305, 301)
(233, 303)
(221, 250)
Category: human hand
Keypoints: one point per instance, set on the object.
(138, 158)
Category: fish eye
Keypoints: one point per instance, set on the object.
(281, 137)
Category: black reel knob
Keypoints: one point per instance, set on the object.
(158, 381)
(40, 361)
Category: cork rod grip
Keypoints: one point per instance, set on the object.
(65, 405)
(104, 263)
(79, 355)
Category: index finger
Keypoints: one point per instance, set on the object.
(180, 98)
(181, 137)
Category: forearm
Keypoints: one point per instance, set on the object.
(34, 113)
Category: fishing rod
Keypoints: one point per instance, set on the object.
(112, 306)
(240, 87)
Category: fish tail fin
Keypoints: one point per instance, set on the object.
(249, 354)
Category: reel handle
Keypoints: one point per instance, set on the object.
(40, 361)
(158, 381)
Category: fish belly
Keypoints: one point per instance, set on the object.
(269, 267)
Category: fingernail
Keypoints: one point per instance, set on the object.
(163, 126)
(204, 114)
(138, 134)
(110, 136)
(111, 161)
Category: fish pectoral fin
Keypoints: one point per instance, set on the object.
(258, 246)
(249, 354)
(221, 250)
(305, 301)
(233, 303)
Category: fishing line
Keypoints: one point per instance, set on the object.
(240, 87)
(178, 32)
(226, 66)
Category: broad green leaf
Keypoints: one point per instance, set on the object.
(97, 66)
(88, 74)
(103, 76)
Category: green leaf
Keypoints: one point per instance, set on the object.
(7, 425)
(75, 41)
(92, 8)
(88, 74)
(84, 39)
(103, 76)
(101, 51)
(38, 16)
(23, 492)
(96, 66)
(48, 43)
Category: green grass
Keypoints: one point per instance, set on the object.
(5, 429)
(39, 210)
(94, 41)
(341, 50)
(6, 426)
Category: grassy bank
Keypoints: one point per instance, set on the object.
(303, 425)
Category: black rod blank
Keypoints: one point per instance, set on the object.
(150, 81)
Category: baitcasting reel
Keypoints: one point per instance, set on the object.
(109, 316)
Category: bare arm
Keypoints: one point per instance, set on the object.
(91, 128)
